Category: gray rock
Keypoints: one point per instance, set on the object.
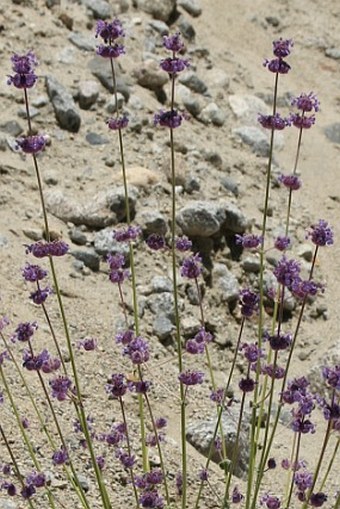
(333, 53)
(213, 157)
(68, 55)
(226, 282)
(212, 114)
(100, 9)
(99, 68)
(64, 106)
(306, 252)
(8, 504)
(3, 241)
(149, 75)
(111, 104)
(11, 127)
(104, 243)
(51, 178)
(88, 93)
(191, 80)
(162, 304)
(89, 257)
(159, 26)
(200, 435)
(96, 139)
(251, 264)
(152, 221)
(191, 6)
(192, 105)
(34, 112)
(201, 218)
(159, 9)
(230, 184)
(236, 221)
(3, 143)
(82, 41)
(83, 482)
(330, 359)
(78, 237)
(161, 284)
(162, 327)
(186, 28)
(332, 132)
(40, 101)
(255, 138)
(191, 184)
(247, 107)
(63, 207)
(190, 326)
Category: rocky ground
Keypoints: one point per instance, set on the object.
(221, 157)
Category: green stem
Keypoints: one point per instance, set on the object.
(287, 504)
(330, 465)
(122, 408)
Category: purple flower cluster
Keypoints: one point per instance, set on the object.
(304, 103)
(247, 384)
(60, 457)
(281, 49)
(117, 273)
(191, 266)
(173, 43)
(191, 377)
(126, 459)
(292, 181)
(169, 118)
(278, 341)
(88, 344)
(40, 295)
(251, 352)
(42, 361)
(33, 273)
(297, 392)
(174, 65)
(115, 124)
(270, 501)
(42, 249)
(127, 234)
(135, 347)
(24, 69)
(273, 122)
(332, 376)
(117, 386)
(249, 240)
(156, 241)
(282, 243)
(321, 234)
(249, 301)
(24, 331)
(31, 144)
(287, 271)
(183, 243)
(197, 344)
(110, 32)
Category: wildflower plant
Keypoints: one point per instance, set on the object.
(265, 386)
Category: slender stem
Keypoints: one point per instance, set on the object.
(122, 408)
(330, 465)
(295, 463)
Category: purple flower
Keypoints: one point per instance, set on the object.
(24, 331)
(161, 423)
(301, 121)
(50, 365)
(273, 122)
(249, 301)
(10, 488)
(117, 386)
(317, 499)
(118, 275)
(125, 337)
(139, 386)
(282, 243)
(282, 47)
(303, 480)
(31, 144)
(137, 350)
(4, 321)
(303, 426)
(321, 234)
(191, 377)
(179, 483)
(236, 496)
(296, 390)
(60, 457)
(251, 352)
(192, 266)
(127, 234)
(42, 249)
(25, 422)
(270, 501)
(203, 475)
(247, 384)
(114, 51)
(40, 295)
(61, 387)
(3, 355)
(151, 499)
(88, 344)
(109, 31)
(292, 182)
(273, 371)
(126, 459)
(118, 123)
(37, 479)
(217, 395)
(279, 341)
(193, 347)
(33, 273)
(332, 376)
(23, 67)
(100, 460)
(277, 66)
(156, 242)
(116, 261)
(173, 42)
(286, 271)
(306, 102)
(249, 240)
(271, 463)
(301, 289)
(170, 118)
(27, 491)
(35, 362)
(174, 65)
(183, 243)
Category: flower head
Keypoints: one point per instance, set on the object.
(277, 66)
(249, 301)
(183, 243)
(114, 51)
(173, 42)
(191, 377)
(282, 243)
(40, 295)
(24, 69)
(287, 271)
(156, 241)
(301, 121)
(290, 181)
(118, 123)
(174, 65)
(60, 457)
(31, 144)
(127, 234)
(170, 118)
(43, 249)
(137, 350)
(306, 102)
(117, 386)
(109, 31)
(192, 267)
(24, 331)
(33, 273)
(88, 344)
(247, 384)
(282, 47)
(249, 240)
(321, 234)
(273, 122)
